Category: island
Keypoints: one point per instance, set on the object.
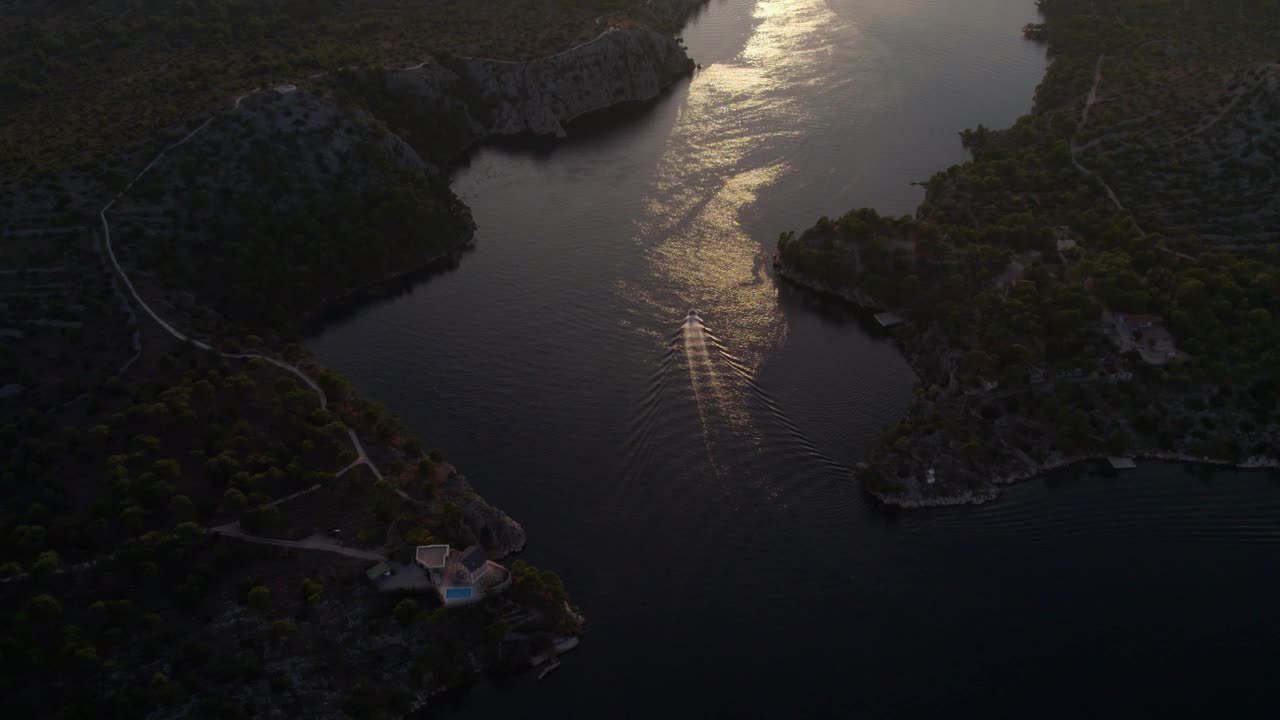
(1102, 280)
(198, 519)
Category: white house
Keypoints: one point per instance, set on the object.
(476, 562)
(461, 578)
(1062, 238)
(434, 559)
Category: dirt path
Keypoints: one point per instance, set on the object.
(1093, 93)
(361, 455)
(293, 496)
(1114, 131)
(314, 542)
(1076, 147)
(1213, 121)
(362, 458)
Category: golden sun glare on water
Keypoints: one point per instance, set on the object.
(727, 146)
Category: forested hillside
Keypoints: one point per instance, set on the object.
(1102, 277)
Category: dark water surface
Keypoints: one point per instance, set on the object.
(688, 477)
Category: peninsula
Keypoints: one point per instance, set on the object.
(198, 519)
(1103, 278)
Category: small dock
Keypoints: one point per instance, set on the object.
(548, 661)
(547, 668)
(1122, 463)
(888, 319)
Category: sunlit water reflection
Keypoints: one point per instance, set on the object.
(689, 479)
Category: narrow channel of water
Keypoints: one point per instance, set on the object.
(688, 475)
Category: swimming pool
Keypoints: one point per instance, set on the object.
(457, 593)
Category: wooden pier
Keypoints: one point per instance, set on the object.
(888, 319)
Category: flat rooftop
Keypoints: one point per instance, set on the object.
(432, 556)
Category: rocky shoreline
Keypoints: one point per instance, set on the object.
(534, 98)
(855, 296)
(491, 99)
(494, 98)
(992, 493)
(387, 286)
(1007, 467)
(530, 99)
(1045, 326)
(262, 198)
(539, 97)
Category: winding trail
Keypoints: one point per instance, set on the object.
(312, 543)
(1076, 147)
(232, 529)
(300, 493)
(1212, 121)
(362, 457)
(1093, 92)
(1239, 94)
(315, 542)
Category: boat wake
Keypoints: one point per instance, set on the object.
(704, 377)
(722, 418)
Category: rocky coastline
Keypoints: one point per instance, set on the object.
(1006, 477)
(854, 296)
(938, 391)
(916, 464)
(1044, 324)
(485, 99)
(490, 99)
(537, 97)
(241, 228)
(493, 98)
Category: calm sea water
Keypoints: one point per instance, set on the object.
(689, 476)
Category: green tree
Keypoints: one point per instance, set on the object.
(259, 598)
(261, 519)
(418, 536)
(46, 564)
(405, 611)
(234, 501)
(312, 591)
(167, 469)
(44, 607)
(976, 361)
(181, 509)
(284, 629)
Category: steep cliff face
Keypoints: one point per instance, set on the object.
(472, 99)
(539, 96)
(483, 523)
